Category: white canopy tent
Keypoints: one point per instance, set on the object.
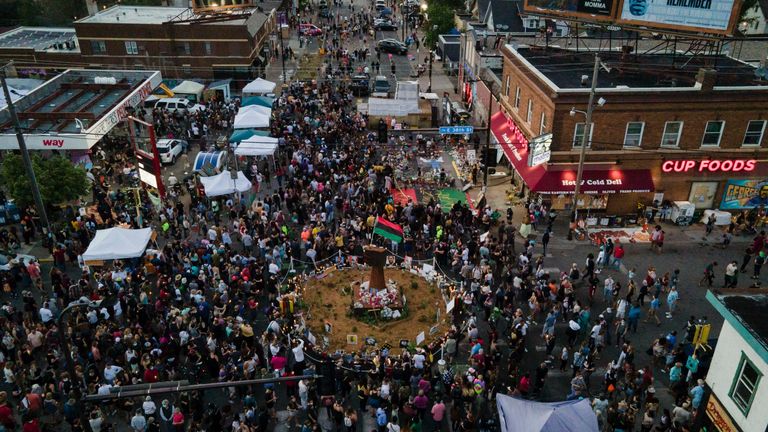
(257, 146)
(223, 184)
(189, 88)
(117, 243)
(259, 86)
(258, 108)
(520, 415)
(251, 119)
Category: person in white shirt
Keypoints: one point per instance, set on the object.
(45, 314)
(298, 356)
(110, 372)
(149, 406)
(418, 360)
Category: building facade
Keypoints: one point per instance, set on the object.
(737, 390)
(175, 41)
(692, 133)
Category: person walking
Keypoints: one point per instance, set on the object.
(758, 265)
(653, 311)
(545, 240)
(709, 274)
(618, 255)
(730, 277)
(672, 298)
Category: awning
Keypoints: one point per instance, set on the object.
(544, 180)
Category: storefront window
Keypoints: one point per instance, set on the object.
(712, 133)
(754, 134)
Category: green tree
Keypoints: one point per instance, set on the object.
(746, 5)
(59, 180)
(440, 21)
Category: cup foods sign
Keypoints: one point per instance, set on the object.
(702, 15)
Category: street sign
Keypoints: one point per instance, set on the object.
(456, 130)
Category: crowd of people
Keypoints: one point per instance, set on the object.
(208, 301)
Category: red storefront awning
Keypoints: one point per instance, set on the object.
(548, 181)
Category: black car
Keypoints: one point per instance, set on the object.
(385, 26)
(393, 46)
(325, 12)
(361, 85)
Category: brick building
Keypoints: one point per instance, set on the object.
(176, 41)
(692, 128)
(36, 50)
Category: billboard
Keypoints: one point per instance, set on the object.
(590, 9)
(706, 16)
(202, 5)
(744, 194)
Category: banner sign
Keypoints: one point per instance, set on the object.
(574, 8)
(539, 150)
(744, 194)
(709, 16)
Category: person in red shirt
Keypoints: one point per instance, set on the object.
(178, 420)
(31, 425)
(151, 375)
(6, 414)
(618, 255)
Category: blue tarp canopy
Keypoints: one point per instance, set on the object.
(519, 415)
(243, 134)
(264, 101)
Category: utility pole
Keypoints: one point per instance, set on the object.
(429, 89)
(282, 48)
(25, 153)
(487, 134)
(584, 140)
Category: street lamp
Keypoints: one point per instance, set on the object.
(584, 142)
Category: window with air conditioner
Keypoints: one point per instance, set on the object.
(633, 136)
(671, 135)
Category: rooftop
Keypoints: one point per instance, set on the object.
(40, 39)
(565, 68)
(750, 310)
(76, 100)
(119, 14)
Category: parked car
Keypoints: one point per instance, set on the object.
(175, 104)
(361, 85)
(310, 30)
(381, 84)
(391, 46)
(384, 25)
(170, 149)
(380, 4)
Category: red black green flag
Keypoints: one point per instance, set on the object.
(389, 230)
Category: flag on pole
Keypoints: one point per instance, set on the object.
(389, 230)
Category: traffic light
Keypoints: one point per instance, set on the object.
(382, 131)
